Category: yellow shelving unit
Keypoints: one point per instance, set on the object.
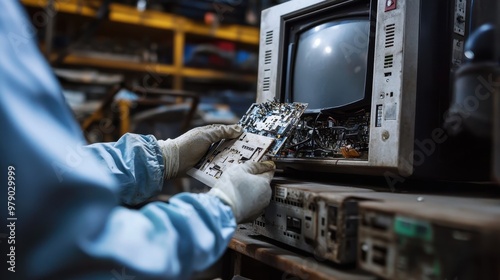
(180, 26)
(158, 68)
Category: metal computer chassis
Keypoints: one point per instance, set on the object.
(442, 238)
(300, 215)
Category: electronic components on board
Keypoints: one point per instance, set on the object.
(266, 128)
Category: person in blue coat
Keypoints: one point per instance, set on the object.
(65, 204)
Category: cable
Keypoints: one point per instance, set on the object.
(300, 143)
(314, 130)
(471, 13)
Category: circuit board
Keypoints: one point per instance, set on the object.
(228, 152)
(266, 128)
(273, 119)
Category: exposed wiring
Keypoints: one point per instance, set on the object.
(314, 130)
(298, 144)
(321, 135)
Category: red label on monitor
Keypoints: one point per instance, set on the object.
(390, 5)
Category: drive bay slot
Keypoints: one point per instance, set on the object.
(293, 224)
(379, 255)
(378, 221)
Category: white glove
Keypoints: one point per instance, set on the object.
(185, 151)
(246, 189)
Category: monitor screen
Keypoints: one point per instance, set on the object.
(329, 70)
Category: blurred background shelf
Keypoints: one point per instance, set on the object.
(163, 69)
(96, 46)
(167, 33)
(130, 15)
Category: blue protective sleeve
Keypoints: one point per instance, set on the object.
(68, 220)
(136, 162)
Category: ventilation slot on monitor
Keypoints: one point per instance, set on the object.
(267, 57)
(388, 61)
(269, 37)
(390, 31)
(266, 84)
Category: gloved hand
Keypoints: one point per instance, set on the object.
(246, 189)
(185, 151)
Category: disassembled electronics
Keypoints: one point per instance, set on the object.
(405, 240)
(266, 128)
(323, 219)
(300, 216)
(337, 229)
(273, 119)
(378, 79)
(323, 136)
(338, 216)
(233, 151)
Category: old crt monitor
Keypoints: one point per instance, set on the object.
(378, 77)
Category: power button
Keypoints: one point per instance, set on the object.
(390, 5)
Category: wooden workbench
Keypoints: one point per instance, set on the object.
(256, 257)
